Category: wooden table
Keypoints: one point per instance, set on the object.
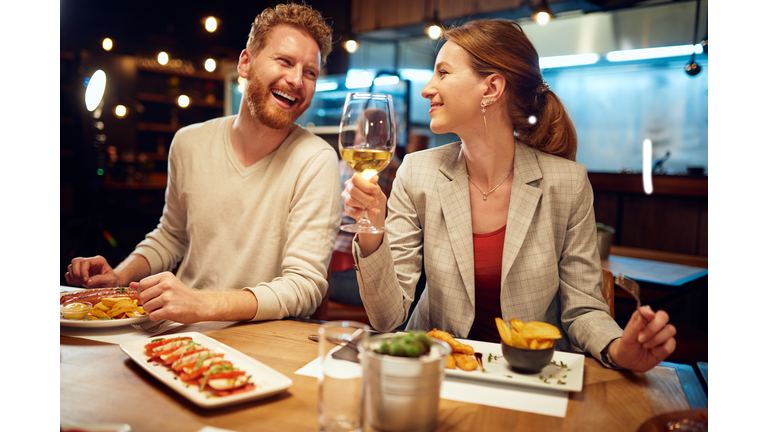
(100, 384)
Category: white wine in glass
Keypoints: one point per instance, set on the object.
(367, 141)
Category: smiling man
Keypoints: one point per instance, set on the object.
(252, 200)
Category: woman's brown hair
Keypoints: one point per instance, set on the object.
(300, 16)
(500, 46)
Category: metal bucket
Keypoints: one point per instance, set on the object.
(402, 394)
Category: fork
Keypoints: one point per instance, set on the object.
(151, 329)
(632, 288)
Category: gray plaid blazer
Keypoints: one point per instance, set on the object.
(550, 270)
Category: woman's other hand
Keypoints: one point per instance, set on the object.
(644, 344)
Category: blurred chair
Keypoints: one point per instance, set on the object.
(608, 291)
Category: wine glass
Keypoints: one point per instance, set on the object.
(367, 140)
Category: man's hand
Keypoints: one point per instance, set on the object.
(642, 346)
(165, 297)
(93, 272)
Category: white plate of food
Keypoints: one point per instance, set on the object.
(102, 323)
(267, 381)
(566, 373)
(94, 297)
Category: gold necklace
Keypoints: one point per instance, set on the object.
(485, 194)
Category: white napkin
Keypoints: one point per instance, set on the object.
(547, 402)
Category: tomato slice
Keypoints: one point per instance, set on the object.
(197, 373)
(227, 374)
(150, 346)
(191, 364)
(177, 355)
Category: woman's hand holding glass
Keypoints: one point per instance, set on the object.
(360, 195)
(367, 141)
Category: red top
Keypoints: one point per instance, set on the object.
(489, 249)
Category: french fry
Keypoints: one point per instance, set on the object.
(98, 313)
(546, 343)
(504, 331)
(532, 335)
(517, 324)
(540, 330)
(517, 339)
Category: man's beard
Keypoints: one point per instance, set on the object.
(257, 95)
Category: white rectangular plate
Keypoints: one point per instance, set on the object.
(268, 381)
(570, 378)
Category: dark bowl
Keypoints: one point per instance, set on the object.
(526, 360)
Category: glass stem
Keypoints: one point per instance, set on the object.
(364, 220)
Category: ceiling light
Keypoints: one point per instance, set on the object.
(106, 44)
(211, 24)
(322, 86)
(542, 14)
(651, 53)
(568, 60)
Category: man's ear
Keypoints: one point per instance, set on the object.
(243, 63)
(495, 86)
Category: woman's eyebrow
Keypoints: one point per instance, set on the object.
(439, 65)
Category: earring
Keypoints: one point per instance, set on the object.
(484, 103)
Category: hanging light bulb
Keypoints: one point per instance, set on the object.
(121, 111)
(210, 24)
(435, 29)
(351, 46)
(542, 14)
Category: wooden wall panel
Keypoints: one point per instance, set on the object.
(661, 223)
(607, 210)
(704, 229)
(368, 15)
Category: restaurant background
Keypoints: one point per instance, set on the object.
(113, 168)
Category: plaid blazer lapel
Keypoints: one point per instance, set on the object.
(523, 202)
(454, 201)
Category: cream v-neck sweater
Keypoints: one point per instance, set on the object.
(269, 227)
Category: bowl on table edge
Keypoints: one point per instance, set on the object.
(526, 360)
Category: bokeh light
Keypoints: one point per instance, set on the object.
(162, 58)
(121, 111)
(210, 65)
(106, 44)
(434, 31)
(350, 46)
(183, 101)
(211, 24)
